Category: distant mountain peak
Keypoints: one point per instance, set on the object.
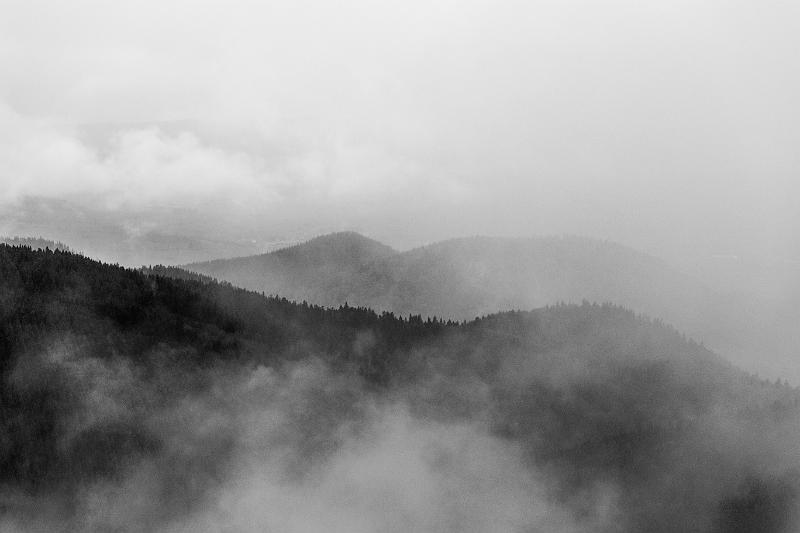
(349, 238)
(344, 245)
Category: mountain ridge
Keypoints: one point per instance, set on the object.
(467, 277)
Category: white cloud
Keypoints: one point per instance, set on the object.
(640, 122)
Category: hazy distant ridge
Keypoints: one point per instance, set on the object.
(468, 277)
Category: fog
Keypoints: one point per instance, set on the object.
(132, 401)
(298, 447)
(293, 449)
(668, 126)
(175, 131)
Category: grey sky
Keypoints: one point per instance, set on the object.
(672, 126)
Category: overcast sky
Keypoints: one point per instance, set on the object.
(672, 126)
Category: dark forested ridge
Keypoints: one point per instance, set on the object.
(123, 392)
(465, 278)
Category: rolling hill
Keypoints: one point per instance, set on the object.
(465, 278)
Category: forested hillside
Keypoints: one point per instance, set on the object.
(132, 401)
(37, 243)
(329, 270)
(466, 278)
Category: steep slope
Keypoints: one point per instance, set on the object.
(144, 403)
(465, 278)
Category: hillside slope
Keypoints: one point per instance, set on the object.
(328, 270)
(465, 278)
(137, 402)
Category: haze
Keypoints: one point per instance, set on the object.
(668, 126)
(512, 266)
